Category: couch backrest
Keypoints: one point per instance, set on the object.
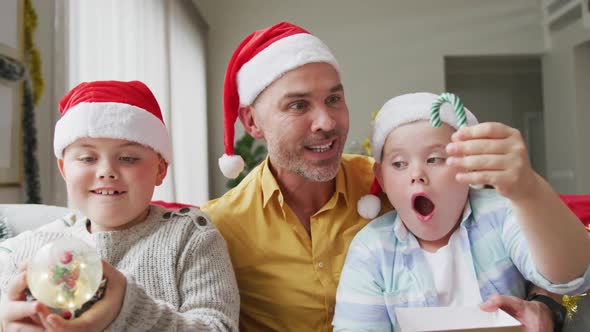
(22, 217)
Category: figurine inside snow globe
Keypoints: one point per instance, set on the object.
(64, 275)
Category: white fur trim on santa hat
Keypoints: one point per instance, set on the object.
(368, 206)
(406, 109)
(278, 58)
(111, 120)
(231, 166)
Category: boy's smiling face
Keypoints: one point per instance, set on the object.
(111, 181)
(420, 185)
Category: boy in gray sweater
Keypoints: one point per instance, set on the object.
(167, 269)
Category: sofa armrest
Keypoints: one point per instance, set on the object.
(22, 217)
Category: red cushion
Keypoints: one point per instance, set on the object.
(580, 205)
(172, 205)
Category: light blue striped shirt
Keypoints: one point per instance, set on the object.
(385, 267)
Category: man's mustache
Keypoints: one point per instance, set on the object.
(322, 136)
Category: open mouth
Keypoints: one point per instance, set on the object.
(319, 148)
(423, 206)
(107, 192)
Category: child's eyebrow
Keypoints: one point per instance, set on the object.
(129, 144)
(398, 149)
(436, 146)
(88, 145)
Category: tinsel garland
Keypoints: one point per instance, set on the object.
(30, 164)
(33, 87)
(571, 304)
(32, 54)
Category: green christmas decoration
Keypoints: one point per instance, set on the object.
(253, 154)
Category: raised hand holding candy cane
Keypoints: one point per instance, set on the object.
(490, 153)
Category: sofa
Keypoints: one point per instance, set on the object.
(22, 217)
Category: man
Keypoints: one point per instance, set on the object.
(289, 223)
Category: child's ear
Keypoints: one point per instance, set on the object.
(162, 171)
(60, 166)
(378, 173)
(246, 115)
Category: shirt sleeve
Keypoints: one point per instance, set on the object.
(520, 254)
(360, 302)
(208, 290)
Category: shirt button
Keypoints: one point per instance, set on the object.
(321, 265)
(201, 221)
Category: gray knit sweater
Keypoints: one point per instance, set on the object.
(179, 275)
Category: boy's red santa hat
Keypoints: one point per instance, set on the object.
(260, 59)
(112, 109)
(398, 111)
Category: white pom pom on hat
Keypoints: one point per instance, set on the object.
(231, 166)
(369, 205)
(259, 60)
(395, 112)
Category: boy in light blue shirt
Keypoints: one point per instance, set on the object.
(447, 244)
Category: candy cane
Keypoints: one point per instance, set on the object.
(457, 105)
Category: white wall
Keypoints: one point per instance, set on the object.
(52, 190)
(503, 89)
(385, 47)
(188, 100)
(565, 90)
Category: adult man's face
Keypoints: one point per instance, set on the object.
(303, 118)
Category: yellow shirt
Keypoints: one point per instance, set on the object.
(288, 280)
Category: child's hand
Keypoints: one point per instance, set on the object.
(16, 314)
(101, 314)
(495, 154)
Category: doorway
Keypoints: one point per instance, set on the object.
(582, 113)
(507, 89)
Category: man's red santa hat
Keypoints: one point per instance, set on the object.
(112, 109)
(260, 59)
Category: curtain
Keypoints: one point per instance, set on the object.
(161, 43)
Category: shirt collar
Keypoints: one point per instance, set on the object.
(341, 184)
(401, 232)
(465, 220)
(270, 186)
(269, 183)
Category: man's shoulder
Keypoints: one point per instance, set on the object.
(232, 204)
(358, 172)
(359, 175)
(358, 163)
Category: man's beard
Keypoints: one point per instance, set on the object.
(317, 171)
